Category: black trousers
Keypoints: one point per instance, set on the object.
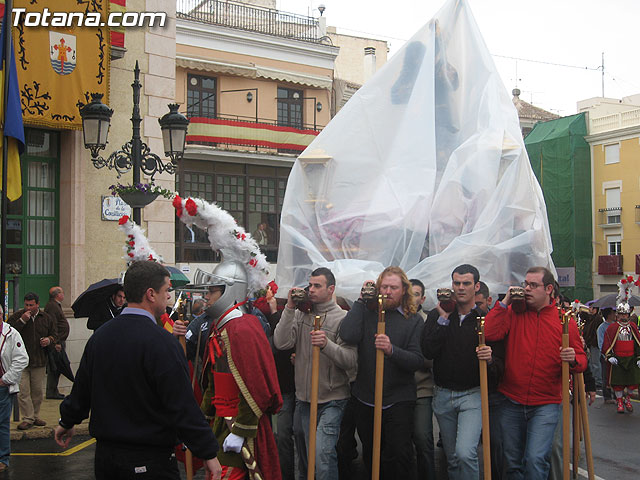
(133, 462)
(396, 447)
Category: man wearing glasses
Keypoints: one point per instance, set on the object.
(532, 380)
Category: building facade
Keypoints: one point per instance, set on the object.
(614, 140)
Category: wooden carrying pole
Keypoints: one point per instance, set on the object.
(313, 408)
(377, 406)
(566, 410)
(484, 398)
(576, 429)
(188, 457)
(584, 416)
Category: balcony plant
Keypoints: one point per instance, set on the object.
(138, 195)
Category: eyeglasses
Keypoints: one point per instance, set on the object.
(531, 285)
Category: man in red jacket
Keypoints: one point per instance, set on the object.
(532, 381)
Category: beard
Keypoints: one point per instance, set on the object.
(390, 304)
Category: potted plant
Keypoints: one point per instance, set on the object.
(139, 195)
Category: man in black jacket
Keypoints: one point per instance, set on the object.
(107, 310)
(56, 351)
(134, 378)
(450, 339)
(402, 358)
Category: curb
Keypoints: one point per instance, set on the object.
(44, 432)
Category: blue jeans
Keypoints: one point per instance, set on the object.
(284, 435)
(6, 402)
(423, 438)
(459, 415)
(527, 437)
(327, 431)
(496, 401)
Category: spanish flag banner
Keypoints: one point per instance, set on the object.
(12, 117)
(117, 33)
(61, 61)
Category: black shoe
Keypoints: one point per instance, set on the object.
(55, 396)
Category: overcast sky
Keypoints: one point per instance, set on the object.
(567, 32)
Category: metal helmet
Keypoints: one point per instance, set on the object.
(232, 276)
(623, 307)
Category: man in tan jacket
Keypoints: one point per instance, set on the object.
(295, 330)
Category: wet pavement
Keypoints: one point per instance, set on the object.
(614, 439)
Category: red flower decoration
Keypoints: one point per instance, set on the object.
(253, 262)
(177, 202)
(179, 212)
(630, 278)
(151, 257)
(637, 283)
(274, 286)
(123, 219)
(132, 243)
(131, 254)
(240, 236)
(623, 281)
(130, 236)
(191, 207)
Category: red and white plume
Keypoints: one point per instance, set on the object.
(137, 245)
(626, 287)
(226, 236)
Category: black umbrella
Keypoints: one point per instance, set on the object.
(609, 301)
(96, 293)
(59, 362)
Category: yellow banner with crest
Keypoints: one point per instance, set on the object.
(62, 56)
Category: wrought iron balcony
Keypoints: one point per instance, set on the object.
(250, 18)
(610, 265)
(609, 217)
(225, 130)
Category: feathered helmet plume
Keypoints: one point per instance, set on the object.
(226, 236)
(626, 286)
(137, 245)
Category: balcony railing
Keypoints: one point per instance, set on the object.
(609, 217)
(237, 131)
(610, 265)
(250, 18)
(614, 121)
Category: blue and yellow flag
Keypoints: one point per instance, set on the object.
(13, 128)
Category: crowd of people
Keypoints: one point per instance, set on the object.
(253, 363)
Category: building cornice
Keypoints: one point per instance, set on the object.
(626, 133)
(216, 37)
(211, 154)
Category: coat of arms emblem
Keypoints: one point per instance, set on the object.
(62, 48)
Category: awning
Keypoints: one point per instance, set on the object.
(215, 66)
(250, 70)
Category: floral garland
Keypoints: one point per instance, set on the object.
(225, 235)
(146, 188)
(137, 245)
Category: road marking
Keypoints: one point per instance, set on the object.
(582, 472)
(66, 453)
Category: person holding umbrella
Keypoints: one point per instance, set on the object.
(58, 360)
(38, 330)
(107, 309)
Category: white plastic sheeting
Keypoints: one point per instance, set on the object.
(424, 168)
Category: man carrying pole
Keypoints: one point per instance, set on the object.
(532, 379)
(335, 360)
(450, 339)
(402, 357)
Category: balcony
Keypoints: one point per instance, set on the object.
(614, 121)
(610, 265)
(229, 132)
(609, 217)
(250, 18)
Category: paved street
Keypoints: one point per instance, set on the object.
(614, 451)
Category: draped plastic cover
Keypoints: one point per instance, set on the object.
(424, 168)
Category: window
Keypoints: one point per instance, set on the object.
(289, 107)
(252, 194)
(201, 96)
(615, 244)
(612, 153)
(613, 205)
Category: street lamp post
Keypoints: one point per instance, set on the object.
(96, 119)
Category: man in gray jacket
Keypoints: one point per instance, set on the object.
(295, 330)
